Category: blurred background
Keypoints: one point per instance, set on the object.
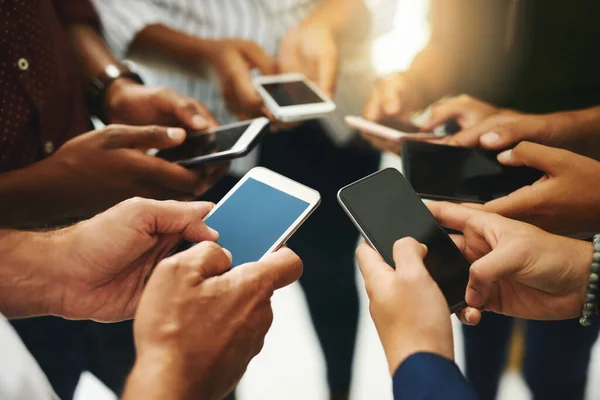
(291, 365)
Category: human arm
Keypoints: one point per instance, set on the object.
(129, 102)
(94, 269)
(182, 357)
(94, 171)
(312, 47)
(413, 323)
(517, 269)
(496, 129)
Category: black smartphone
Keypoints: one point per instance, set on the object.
(440, 172)
(385, 209)
(219, 144)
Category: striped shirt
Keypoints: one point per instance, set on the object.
(264, 22)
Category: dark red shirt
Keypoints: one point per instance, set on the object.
(42, 101)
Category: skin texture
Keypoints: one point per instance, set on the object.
(96, 170)
(517, 269)
(408, 308)
(188, 300)
(95, 269)
(562, 202)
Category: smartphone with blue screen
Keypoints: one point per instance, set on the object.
(260, 214)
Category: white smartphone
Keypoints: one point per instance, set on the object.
(219, 144)
(388, 131)
(260, 214)
(292, 97)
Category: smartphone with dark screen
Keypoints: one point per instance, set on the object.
(219, 144)
(386, 209)
(440, 172)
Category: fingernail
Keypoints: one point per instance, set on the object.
(176, 134)
(475, 298)
(199, 121)
(490, 139)
(214, 233)
(228, 253)
(505, 156)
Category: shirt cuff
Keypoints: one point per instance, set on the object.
(430, 376)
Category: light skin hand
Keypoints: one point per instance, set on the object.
(311, 49)
(394, 97)
(466, 110)
(96, 269)
(517, 269)
(407, 306)
(233, 61)
(564, 201)
(197, 327)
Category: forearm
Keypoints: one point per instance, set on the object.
(91, 49)
(164, 42)
(24, 273)
(579, 130)
(158, 377)
(347, 19)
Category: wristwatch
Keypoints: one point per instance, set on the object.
(97, 87)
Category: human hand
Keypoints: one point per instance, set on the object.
(233, 60)
(101, 264)
(408, 308)
(311, 49)
(517, 269)
(100, 168)
(394, 97)
(565, 201)
(130, 103)
(466, 110)
(197, 327)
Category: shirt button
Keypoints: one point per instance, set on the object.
(48, 147)
(23, 64)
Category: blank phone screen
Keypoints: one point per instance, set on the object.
(200, 144)
(388, 209)
(292, 93)
(253, 219)
(457, 173)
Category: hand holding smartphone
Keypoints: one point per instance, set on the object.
(385, 209)
(389, 129)
(292, 97)
(440, 172)
(219, 144)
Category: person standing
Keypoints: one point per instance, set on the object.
(209, 48)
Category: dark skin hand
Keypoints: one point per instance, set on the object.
(94, 171)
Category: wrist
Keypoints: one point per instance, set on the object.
(582, 264)
(116, 96)
(28, 286)
(159, 374)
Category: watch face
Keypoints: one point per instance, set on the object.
(112, 71)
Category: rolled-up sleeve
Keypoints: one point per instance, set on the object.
(123, 20)
(426, 376)
(76, 12)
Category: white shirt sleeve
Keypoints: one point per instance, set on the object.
(21, 378)
(123, 20)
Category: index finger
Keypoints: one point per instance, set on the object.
(327, 74)
(451, 215)
(281, 268)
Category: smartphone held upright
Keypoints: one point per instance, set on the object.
(386, 209)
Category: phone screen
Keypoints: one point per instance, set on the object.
(458, 173)
(388, 209)
(294, 93)
(203, 143)
(253, 219)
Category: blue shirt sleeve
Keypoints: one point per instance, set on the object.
(430, 376)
